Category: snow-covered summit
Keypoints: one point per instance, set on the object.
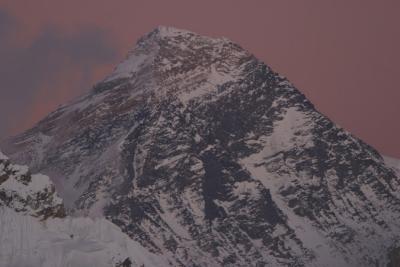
(169, 31)
(168, 51)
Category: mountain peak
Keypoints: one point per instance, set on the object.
(169, 31)
(202, 154)
(169, 34)
(164, 31)
(168, 52)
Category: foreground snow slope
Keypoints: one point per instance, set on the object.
(66, 242)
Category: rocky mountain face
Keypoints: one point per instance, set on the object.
(207, 157)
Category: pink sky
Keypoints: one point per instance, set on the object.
(343, 55)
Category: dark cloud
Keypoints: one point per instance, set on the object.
(42, 66)
(6, 23)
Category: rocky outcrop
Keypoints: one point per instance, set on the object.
(25, 193)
